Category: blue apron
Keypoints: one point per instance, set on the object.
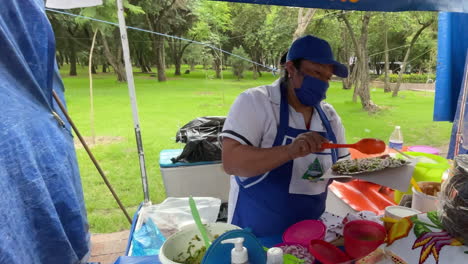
(265, 203)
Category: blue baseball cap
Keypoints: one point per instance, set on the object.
(316, 50)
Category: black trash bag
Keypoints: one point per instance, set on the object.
(199, 150)
(207, 127)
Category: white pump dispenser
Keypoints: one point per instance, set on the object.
(239, 252)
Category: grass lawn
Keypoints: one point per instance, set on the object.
(164, 107)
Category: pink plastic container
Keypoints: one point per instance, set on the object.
(303, 232)
(327, 253)
(361, 237)
(424, 149)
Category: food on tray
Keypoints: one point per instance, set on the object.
(357, 166)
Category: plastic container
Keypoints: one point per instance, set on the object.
(425, 171)
(274, 256)
(398, 212)
(303, 232)
(327, 253)
(424, 149)
(396, 139)
(361, 237)
(423, 202)
(179, 242)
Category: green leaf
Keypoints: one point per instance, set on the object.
(420, 229)
(434, 219)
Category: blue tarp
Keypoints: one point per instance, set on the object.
(43, 218)
(461, 120)
(452, 50)
(42, 209)
(370, 5)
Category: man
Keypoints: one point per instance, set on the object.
(272, 143)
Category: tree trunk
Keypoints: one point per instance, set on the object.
(104, 67)
(217, 63)
(177, 64)
(362, 72)
(160, 58)
(345, 55)
(387, 87)
(408, 51)
(116, 63)
(254, 71)
(59, 59)
(356, 80)
(303, 21)
(71, 46)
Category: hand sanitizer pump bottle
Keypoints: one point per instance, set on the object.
(239, 252)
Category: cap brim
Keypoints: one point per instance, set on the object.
(339, 69)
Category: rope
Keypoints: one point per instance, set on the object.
(273, 69)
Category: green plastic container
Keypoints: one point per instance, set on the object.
(423, 171)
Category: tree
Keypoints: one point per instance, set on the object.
(110, 36)
(304, 16)
(160, 16)
(65, 27)
(246, 31)
(214, 21)
(182, 22)
(423, 25)
(362, 67)
(238, 65)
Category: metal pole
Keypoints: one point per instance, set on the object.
(133, 101)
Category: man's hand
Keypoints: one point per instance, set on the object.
(306, 144)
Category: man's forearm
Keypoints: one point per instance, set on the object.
(248, 161)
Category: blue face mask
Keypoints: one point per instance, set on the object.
(312, 91)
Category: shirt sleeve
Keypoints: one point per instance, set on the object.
(246, 120)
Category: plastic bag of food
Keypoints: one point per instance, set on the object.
(147, 240)
(453, 209)
(174, 213)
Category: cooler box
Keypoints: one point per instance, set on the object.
(202, 179)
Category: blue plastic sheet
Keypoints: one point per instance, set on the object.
(138, 260)
(43, 218)
(452, 50)
(147, 240)
(459, 138)
(370, 5)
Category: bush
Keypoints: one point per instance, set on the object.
(238, 65)
(409, 78)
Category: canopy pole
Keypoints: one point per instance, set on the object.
(133, 101)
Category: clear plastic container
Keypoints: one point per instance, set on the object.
(396, 139)
(275, 255)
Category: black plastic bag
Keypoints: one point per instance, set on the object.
(207, 127)
(201, 138)
(199, 150)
